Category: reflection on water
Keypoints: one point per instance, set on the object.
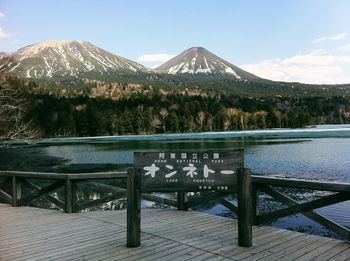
(321, 154)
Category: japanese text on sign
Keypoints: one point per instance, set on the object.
(188, 171)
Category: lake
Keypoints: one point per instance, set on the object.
(318, 153)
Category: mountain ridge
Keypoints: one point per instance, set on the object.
(69, 63)
(75, 58)
(66, 58)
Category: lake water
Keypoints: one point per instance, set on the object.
(319, 153)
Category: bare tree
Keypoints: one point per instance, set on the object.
(200, 119)
(163, 112)
(13, 112)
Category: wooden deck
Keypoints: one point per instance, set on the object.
(39, 234)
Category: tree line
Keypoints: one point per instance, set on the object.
(31, 110)
(86, 116)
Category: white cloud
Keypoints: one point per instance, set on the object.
(2, 15)
(3, 34)
(308, 68)
(158, 57)
(338, 37)
(318, 40)
(310, 59)
(344, 48)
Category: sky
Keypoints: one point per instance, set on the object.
(291, 40)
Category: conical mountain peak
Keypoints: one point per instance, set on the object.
(198, 60)
(197, 49)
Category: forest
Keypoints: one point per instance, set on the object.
(85, 116)
(136, 109)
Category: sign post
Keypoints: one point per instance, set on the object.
(245, 210)
(133, 209)
(180, 171)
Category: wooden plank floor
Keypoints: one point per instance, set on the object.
(39, 234)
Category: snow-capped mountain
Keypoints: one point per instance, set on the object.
(49, 59)
(198, 60)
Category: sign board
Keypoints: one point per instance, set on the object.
(174, 171)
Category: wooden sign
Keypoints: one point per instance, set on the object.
(176, 171)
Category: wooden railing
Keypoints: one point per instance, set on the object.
(339, 192)
(249, 198)
(16, 181)
(13, 182)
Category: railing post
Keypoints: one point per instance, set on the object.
(69, 196)
(255, 204)
(245, 213)
(134, 209)
(16, 191)
(181, 201)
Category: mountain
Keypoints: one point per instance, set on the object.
(199, 61)
(49, 59)
(61, 64)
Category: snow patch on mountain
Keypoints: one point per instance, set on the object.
(28, 72)
(14, 67)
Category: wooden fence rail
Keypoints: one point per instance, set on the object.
(339, 192)
(15, 182)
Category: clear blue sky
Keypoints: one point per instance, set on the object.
(258, 35)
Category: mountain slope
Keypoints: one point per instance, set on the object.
(49, 59)
(198, 60)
